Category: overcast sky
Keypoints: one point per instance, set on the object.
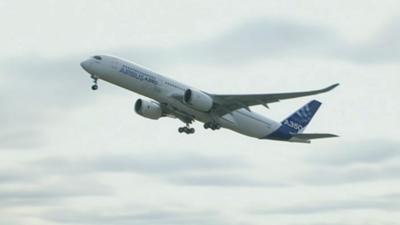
(73, 156)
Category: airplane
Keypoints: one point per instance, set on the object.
(173, 99)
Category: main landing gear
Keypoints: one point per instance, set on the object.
(212, 126)
(186, 130)
(94, 86)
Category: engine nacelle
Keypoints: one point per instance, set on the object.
(148, 109)
(198, 100)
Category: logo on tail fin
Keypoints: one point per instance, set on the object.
(293, 125)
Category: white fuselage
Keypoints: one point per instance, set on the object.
(162, 89)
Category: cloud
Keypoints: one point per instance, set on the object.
(33, 90)
(383, 47)
(188, 169)
(332, 176)
(12, 175)
(41, 194)
(134, 216)
(48, 186)
(382, 203)
(361, 152)
(166, 164)
(57, 82)
(146, 164)
(267, 38)
(22, 184)
(19, 139)
(253, 40)
(366, 160)
(224, 180)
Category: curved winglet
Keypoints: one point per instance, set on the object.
(331, 87)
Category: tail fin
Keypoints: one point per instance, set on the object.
(298, 121)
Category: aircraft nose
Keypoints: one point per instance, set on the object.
(85, 64)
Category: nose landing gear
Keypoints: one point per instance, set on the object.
(94, 86)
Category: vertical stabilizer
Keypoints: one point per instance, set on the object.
(296, 123)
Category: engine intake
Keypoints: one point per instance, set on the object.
(198, 100)
(149, 109)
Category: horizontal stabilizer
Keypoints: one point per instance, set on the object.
(306, 138)
(314, 136)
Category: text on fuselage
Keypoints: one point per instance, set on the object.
(138, 74)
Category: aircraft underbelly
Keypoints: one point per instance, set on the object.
(248, 123)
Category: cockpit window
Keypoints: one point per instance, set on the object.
(97, 57)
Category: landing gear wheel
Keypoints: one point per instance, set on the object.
(186, 130)
(212, 126)
(94, 86)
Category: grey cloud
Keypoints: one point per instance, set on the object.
(166, 164)
(148, 164)
(369, 203)
(273, 39)
(24, 184)
(12, 175)
(19, 139)
(35, 91)
(30, 89)
(224, 180)
(323, 176)
(269, 38)
(191, 170)
(266, 39)
(42, 82)
(249, 41)
(17, 195)
(188, 169)
(379, 221)
(383, 47)
(366, 151)
(134, 216)
(366, 160)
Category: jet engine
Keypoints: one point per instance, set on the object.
(148, 109)
(198, 100)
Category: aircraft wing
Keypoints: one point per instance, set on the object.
(228, 103)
